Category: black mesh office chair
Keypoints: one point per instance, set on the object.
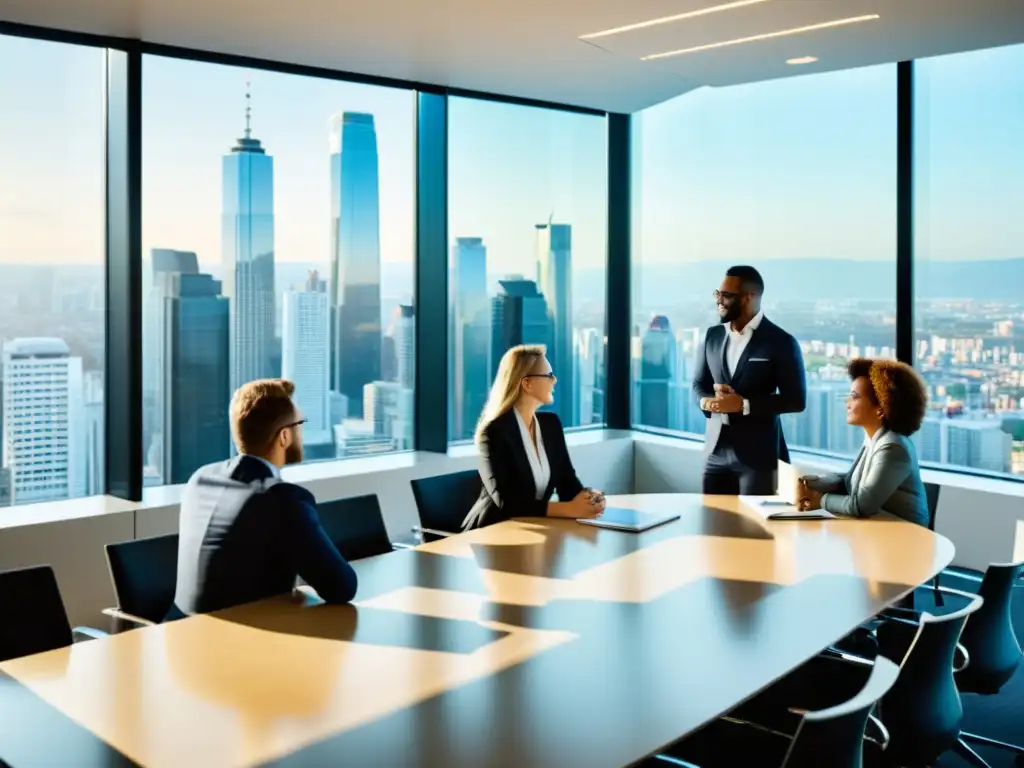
(356, 526)
(832, 737)
(144, 573)
(443, 501)
(991, 645)
(34, 618)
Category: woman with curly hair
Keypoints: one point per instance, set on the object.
(887, 400)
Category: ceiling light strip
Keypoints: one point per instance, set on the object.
(670, 19)
(765, 36)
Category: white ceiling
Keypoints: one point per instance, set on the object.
(530, 48)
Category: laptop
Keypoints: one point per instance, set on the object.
(621, 519)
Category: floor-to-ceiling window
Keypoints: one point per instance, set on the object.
(278, 241)
(52, 260)
(969, 257)
(796, 177)
(527, 224)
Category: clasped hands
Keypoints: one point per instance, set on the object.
(589, 503)
(725, 400)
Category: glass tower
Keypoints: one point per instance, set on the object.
(247, 254)
(355, 257)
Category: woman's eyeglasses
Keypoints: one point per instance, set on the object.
(549, 375)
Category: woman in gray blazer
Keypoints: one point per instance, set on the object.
(888, 400)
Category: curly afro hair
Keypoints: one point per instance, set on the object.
(897, 388)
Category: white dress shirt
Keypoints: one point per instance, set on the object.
(735, 343)
(538, 457)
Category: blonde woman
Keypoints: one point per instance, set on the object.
(523, 455)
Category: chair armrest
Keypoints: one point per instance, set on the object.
(432, 531)
(87, 633)
(117, 613)
(966, 658)
(397, 545)
(881, 738)
(669, 760)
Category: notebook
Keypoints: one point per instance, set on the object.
(622, 519)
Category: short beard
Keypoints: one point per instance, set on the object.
(293, 454)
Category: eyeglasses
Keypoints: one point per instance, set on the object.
(725, 295)
(298, 423)
(550, 375)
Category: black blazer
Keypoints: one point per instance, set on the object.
(770, 375)
(245, 535)
(509, 488)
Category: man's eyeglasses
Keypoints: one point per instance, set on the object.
(298, 423)
(550, 375)
(725, 295)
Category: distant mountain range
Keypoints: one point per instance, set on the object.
(666, 285)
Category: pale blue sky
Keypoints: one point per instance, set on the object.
(803, 167)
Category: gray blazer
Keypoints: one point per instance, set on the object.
(885, 477)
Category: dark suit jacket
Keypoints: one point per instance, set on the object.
(245, 535)
(509, 488)
(770, 374)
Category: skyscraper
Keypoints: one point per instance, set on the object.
(93, 437)
(403, 331)
(355, 257)
(554, 278)
(163, 261)
(196, 374)
(471, 332)
(657, 392)
(43, 420)
(306, 355)
(519, 315)
(247, 254)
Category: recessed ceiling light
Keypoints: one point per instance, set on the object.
(670, 19)
(802, 60)
(765, 36)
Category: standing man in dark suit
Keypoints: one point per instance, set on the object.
(245, 534)
(748, 373)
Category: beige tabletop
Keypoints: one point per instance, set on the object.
(535, 642)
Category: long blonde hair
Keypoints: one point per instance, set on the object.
(516, 364)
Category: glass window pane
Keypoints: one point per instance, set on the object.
(52, 277)
(969, 260)
(527, 218)
(796, 177)
(278, 240)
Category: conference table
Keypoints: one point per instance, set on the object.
(534, 642)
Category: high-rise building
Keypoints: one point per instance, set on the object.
(554, 279)
(163, 261)
(94, 424)
(591, 376)
(470, 334)
(247, 255)
(658, 406)
(403, 333)
(355, 256)
(43, 420)
(388, 408)
(306, 355)
(519, 315)
(196, 375)
(978, 444)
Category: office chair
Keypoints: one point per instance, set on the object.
(831, 737)
(144, 573)
(443, 501)
(923, 711)
(356, 526)
(35, 620)
(992, 646)
(931, 493)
